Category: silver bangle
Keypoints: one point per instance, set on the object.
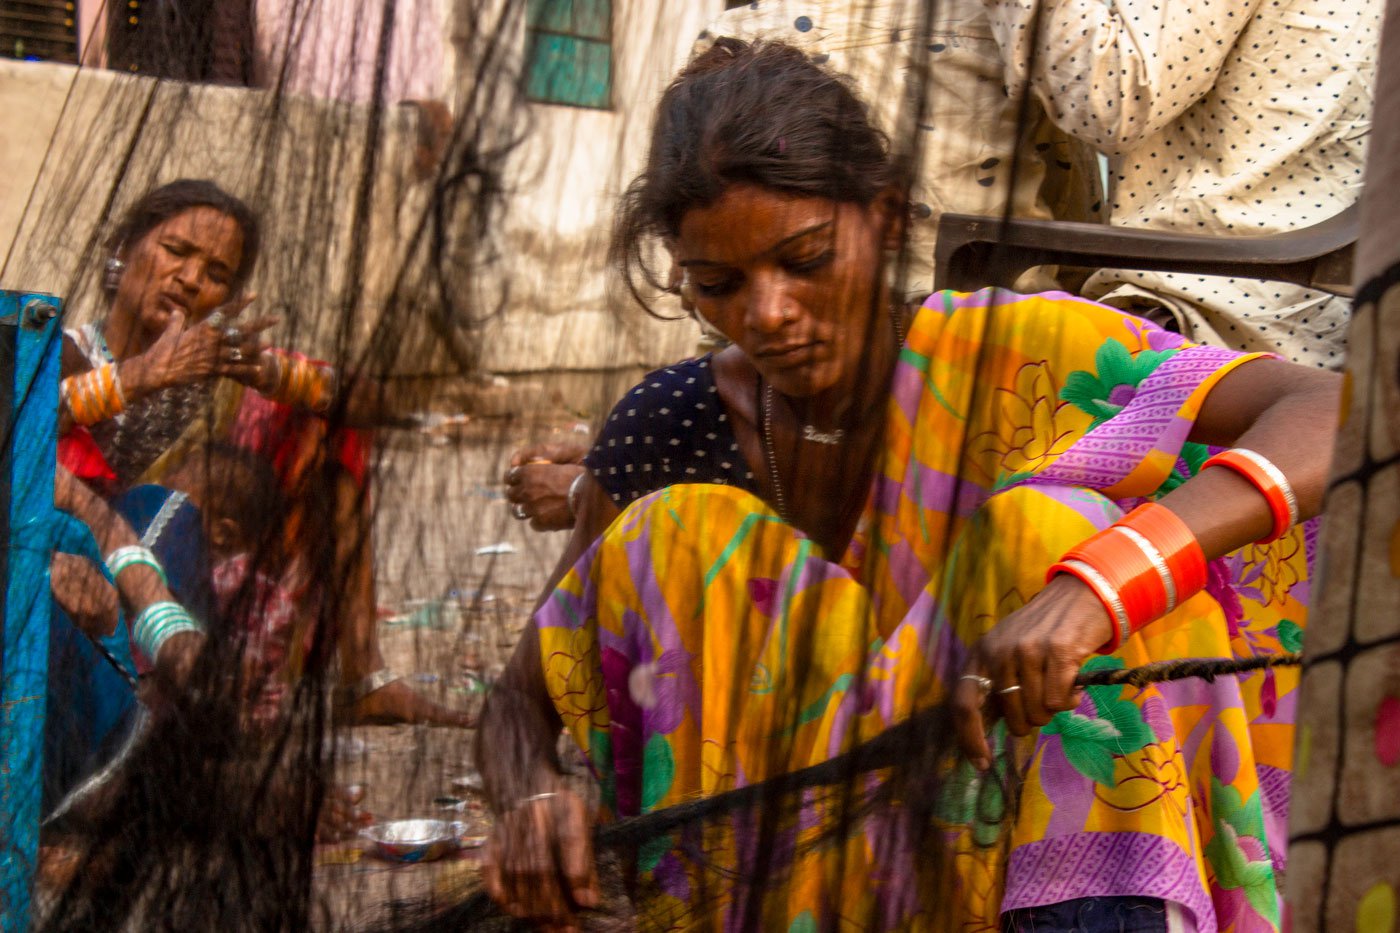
(1159, 563)
(575, 490)
(1107, 595)
(531, 799)
(983, 683)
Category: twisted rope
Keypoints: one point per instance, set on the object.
(1206, 669)
(892, 746)
(888, 749)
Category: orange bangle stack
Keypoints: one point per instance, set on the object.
(301, 382)
(93, 396)
(1141, 568)
(1270, 482)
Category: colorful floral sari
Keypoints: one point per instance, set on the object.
(702, 644)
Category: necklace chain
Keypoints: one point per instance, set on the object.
(768, 453)
(835, 437)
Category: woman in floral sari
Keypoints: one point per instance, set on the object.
(848, 516)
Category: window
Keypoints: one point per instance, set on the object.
(38, 30)
(568, 52)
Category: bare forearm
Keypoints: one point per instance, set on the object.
(139, 586)
(517, 739)
(1295, 431)
(517, 742)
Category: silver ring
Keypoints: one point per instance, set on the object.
(519, 512)
(235, 355)
(983, 683)
(1011, 689)
(233, 335)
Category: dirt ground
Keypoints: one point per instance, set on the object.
(451, 613)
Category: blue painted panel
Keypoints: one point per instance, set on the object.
(23, 679)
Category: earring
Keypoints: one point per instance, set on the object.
(112, 275)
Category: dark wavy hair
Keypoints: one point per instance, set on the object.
(761, 113)
(160, 204)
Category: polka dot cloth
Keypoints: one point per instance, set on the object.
(669, 428)
(1230, 117)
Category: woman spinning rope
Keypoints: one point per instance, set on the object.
(854, 513)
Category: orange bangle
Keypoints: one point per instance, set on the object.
(1129, 569)
(1140, 568)
(1103, 589)
(1175, 542)
(1269, 480)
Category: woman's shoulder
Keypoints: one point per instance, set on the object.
(665, 391)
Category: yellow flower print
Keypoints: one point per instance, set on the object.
(1152, 774)
(1030, 429)
(574, 676)
(1270, 568)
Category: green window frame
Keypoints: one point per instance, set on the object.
(568, 52)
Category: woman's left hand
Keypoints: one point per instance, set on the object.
(1031, 658)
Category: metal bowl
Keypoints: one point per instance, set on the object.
(413, 840)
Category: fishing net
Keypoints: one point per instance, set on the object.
(436, 184)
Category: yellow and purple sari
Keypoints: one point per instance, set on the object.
(703, 644)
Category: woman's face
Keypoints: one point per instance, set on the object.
(795, 282)
(186, 263)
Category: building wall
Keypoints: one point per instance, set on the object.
(77, 146)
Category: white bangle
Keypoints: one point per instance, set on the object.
(530, 799)
(157, 623)
(131, 555)
(575, 490)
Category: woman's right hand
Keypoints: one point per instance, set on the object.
(539, 860)
(539, 480)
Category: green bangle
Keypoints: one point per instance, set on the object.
(157, 623)
(131, 555)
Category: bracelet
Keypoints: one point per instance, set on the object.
(299, 381)
(1122, 625)
(157, 623)
(94, 396)
(350, 694)
(132, 555)
(1175, 542)
(1140, 568)
(1269, 480)
(575, 489)
(531, 799)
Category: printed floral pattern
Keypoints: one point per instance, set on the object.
(703, 644)
(1029, 431)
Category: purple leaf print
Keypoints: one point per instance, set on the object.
(764, 591)
(671, 876)
(626, 731)
(1268, 695)
(657, 687)
(1219, 585)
